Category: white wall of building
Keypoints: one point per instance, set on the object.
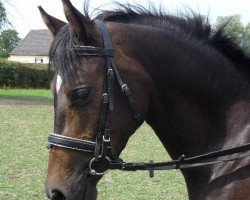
(29, 59)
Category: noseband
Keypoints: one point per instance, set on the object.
(102, 148)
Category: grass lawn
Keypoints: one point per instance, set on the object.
(23, 161)
(26, 94)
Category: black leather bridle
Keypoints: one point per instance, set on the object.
(102, 148)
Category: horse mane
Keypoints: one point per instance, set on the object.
(195, 25)
(189, 23)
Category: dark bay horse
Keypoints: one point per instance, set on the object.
(189, 83)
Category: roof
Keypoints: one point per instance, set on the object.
(36, 43)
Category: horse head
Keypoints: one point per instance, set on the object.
(79, 87)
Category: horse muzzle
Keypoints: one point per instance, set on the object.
(81, 188)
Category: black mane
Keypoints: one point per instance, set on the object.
(194, 25)
(190, 23)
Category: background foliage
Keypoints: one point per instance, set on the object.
(3, 15)
(19, 75)
(9, 39)
(235, 29)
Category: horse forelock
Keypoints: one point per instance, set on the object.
(63, 57)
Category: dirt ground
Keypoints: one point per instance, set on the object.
(24, 102)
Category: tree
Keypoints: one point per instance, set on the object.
(246, 38)
(3, 15)
(9, 39)
(235, 29)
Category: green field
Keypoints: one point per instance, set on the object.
(26, 94)
(27, 118)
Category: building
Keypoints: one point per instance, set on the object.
(34, 48)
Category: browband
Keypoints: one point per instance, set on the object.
(93, 51)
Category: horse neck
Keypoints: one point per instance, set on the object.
(199, 103)
(196, 90)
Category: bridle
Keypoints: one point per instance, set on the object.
(102, 148)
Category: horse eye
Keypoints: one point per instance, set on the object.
(79, 96)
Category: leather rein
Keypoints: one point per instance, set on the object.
(102, 148)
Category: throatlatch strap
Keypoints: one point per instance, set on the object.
(110, 63)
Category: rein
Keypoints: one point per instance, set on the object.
(102, 148)
(232, 154)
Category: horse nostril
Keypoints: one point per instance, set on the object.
(57, 195)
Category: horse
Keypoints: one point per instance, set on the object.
(191, 84)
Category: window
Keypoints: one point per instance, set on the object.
(39, 60)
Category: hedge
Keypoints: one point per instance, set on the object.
(20, 75)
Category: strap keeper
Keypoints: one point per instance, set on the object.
(180, 161)
(105, 98)
(126, 90)
(137, 117)
(151, 170)
(111, 73)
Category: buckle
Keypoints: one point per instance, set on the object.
(105, 140)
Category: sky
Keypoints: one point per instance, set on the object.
(24, 15)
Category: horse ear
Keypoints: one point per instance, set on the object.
(53, 24)
(83, 27)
